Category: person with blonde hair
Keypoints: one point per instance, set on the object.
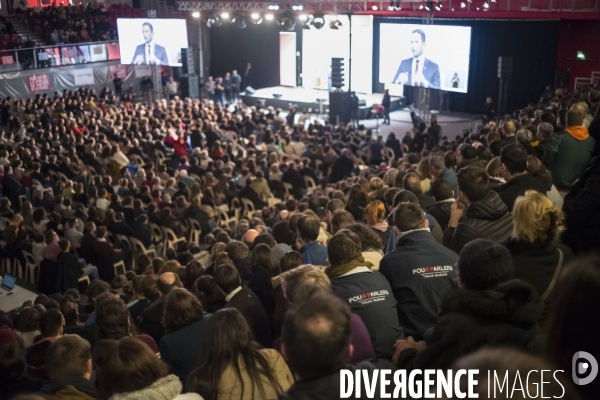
(376, 189)
(376, 218)
(537, 254)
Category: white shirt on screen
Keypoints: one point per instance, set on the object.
(414, 71)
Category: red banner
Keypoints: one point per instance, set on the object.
(39, 82)
(4, 60)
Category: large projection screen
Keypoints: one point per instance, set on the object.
(320, 46)
(287, 58)
(145, 41)
(433, 56)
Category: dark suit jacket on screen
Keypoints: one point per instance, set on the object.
(431, 72)
(159, 52)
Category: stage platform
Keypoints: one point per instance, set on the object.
(308, 98)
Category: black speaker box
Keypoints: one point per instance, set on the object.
(505, 67)
(339, 106)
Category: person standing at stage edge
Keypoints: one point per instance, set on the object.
(248, 76)
(386, 106)
(236, 82)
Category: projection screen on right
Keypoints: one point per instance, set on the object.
(433, 56)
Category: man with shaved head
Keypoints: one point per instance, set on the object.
(249, 237)
(150, 322)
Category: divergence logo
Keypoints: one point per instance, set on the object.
(583, 363)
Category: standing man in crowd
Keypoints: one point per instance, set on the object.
(172, 88)
(236, 83)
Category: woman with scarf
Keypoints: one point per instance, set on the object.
(367, 292)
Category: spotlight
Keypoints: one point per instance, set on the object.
(462, 5)
(438, 7)
(427, 8)
(256, 19)
(486, 5)
(275, 8)
(318, 21)
(214, 20)
(335, 24)
(300, 8)
(295, 8)
(303, 17)
(239, 20)
(390, 8)
(374, 8)
(421, 7)
(477, 8)
(196, 14)
(287, 20)
(269, 17)
(225, 15)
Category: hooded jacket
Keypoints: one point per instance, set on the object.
(70, 389)
(568, 155)
(504, 315)
(485, 219)
(517, 186)
(420, 272)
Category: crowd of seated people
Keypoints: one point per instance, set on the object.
(186, 250)
(72, 24)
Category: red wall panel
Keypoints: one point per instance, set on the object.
(577, 36)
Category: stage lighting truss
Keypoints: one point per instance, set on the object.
(307, 6)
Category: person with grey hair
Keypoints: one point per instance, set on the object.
(525, 138)
(438, 170)
(544, 137)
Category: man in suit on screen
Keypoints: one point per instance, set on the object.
(418, 70)
(149, 53)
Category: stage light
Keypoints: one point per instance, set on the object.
(318, 21)
(486, 5)
(390, 8)
(300, 8)
(462, 5)
(438, 7)
(239, 20)
(287, 20)
(477, 8)
(225, 15)
(214, 20)
(374, 8)
(269, 17)
(303, 17)
(256, 19)
(335, 24)
(196, 14)
(275, 8)
(421, 7)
